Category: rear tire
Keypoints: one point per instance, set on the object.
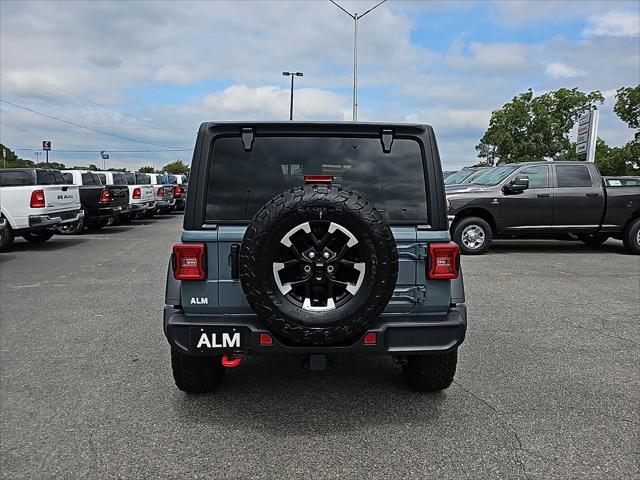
(473, 235)
(194, 374)
(6, 238)
(631, 237)
(38, 237)
(431, 373)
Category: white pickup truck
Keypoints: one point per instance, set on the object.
(33, 201)
(163, 193)
(141, 195)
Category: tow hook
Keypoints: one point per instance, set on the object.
(230, 360)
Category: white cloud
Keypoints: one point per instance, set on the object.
(175, 75)
(614, 24)
(562, 70)
(497, 57)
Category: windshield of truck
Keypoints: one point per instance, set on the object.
(494, 176)
(458, 177)
(240, 182)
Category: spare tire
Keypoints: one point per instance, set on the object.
(318, 265)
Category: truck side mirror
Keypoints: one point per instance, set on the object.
(518, 184)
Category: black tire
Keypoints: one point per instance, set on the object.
(631, 237)
(124, 218)
(293, 320)
(465, 227)
(594, 240)
(74, 228)
(196, 374)
(149, 213)
(430, 373)
(38, 237)
(6, 238)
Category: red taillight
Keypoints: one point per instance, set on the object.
(137, 194)
(318, 179)
(105, 196)
(370, 338)
(37, 199)
(177, 191)
(265, 339)
(161, 192)
(444, 261)
(189, 261)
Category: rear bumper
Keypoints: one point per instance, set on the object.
(52, 219)
(141, 207)
(163, 203)
(396, 336)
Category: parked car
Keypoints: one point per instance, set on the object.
(140, 195)
(279, 253)
(32, 202)
(163, 193)
(469, 179)
(621, 181)
(179, 190)
(466, 175)
(563, 200)
(100, 203)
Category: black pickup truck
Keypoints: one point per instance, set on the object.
(560, 200)
(100, 203)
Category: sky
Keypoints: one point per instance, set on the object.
(136, 79)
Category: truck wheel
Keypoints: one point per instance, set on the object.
(594, 240)
(196, 374)
(473, 235)
(6, 238)
(631, 237)
(318, 265)
(38, 237)
(430, 373)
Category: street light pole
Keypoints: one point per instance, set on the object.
(355, 18)
(292, 74)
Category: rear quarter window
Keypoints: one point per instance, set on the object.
(15, 179)
(240, 182)
(90, 179)
(49, 177)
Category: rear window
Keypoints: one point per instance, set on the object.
(572, 176)
(90, 179)
(142, 179)
(458, 177)
(49, 177)
(240, 182)
(119, 179)
(130, 178)
(15, 179)
(102, 177)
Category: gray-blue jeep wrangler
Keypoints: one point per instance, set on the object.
(315, 239)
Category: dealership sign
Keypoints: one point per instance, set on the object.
(587, 135)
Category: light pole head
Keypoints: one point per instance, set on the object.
(286, 74)
(299, 74)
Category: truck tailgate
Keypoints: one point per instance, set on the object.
(59, 198)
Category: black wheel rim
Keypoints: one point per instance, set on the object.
(319, 265)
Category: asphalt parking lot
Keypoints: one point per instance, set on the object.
(547, 385)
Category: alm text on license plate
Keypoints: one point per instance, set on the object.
(217, 339)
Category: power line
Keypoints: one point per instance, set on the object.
(83, 126)
(107, 150)
(66, 92)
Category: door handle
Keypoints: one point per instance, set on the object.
(543, 195)
(593, 194)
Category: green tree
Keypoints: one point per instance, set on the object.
(92, 167)
(147, 169)
(623, 160)
(531, 128)
(177, 167)
(54, 165)
(12, 160)
(627, 105)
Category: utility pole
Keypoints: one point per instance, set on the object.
(355, 18)
(292, 75)
(38, 156)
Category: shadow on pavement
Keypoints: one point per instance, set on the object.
(110, 229)
(280, 396)
(56, 243)
(555, 246)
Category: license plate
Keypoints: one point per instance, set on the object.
(208, 340)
